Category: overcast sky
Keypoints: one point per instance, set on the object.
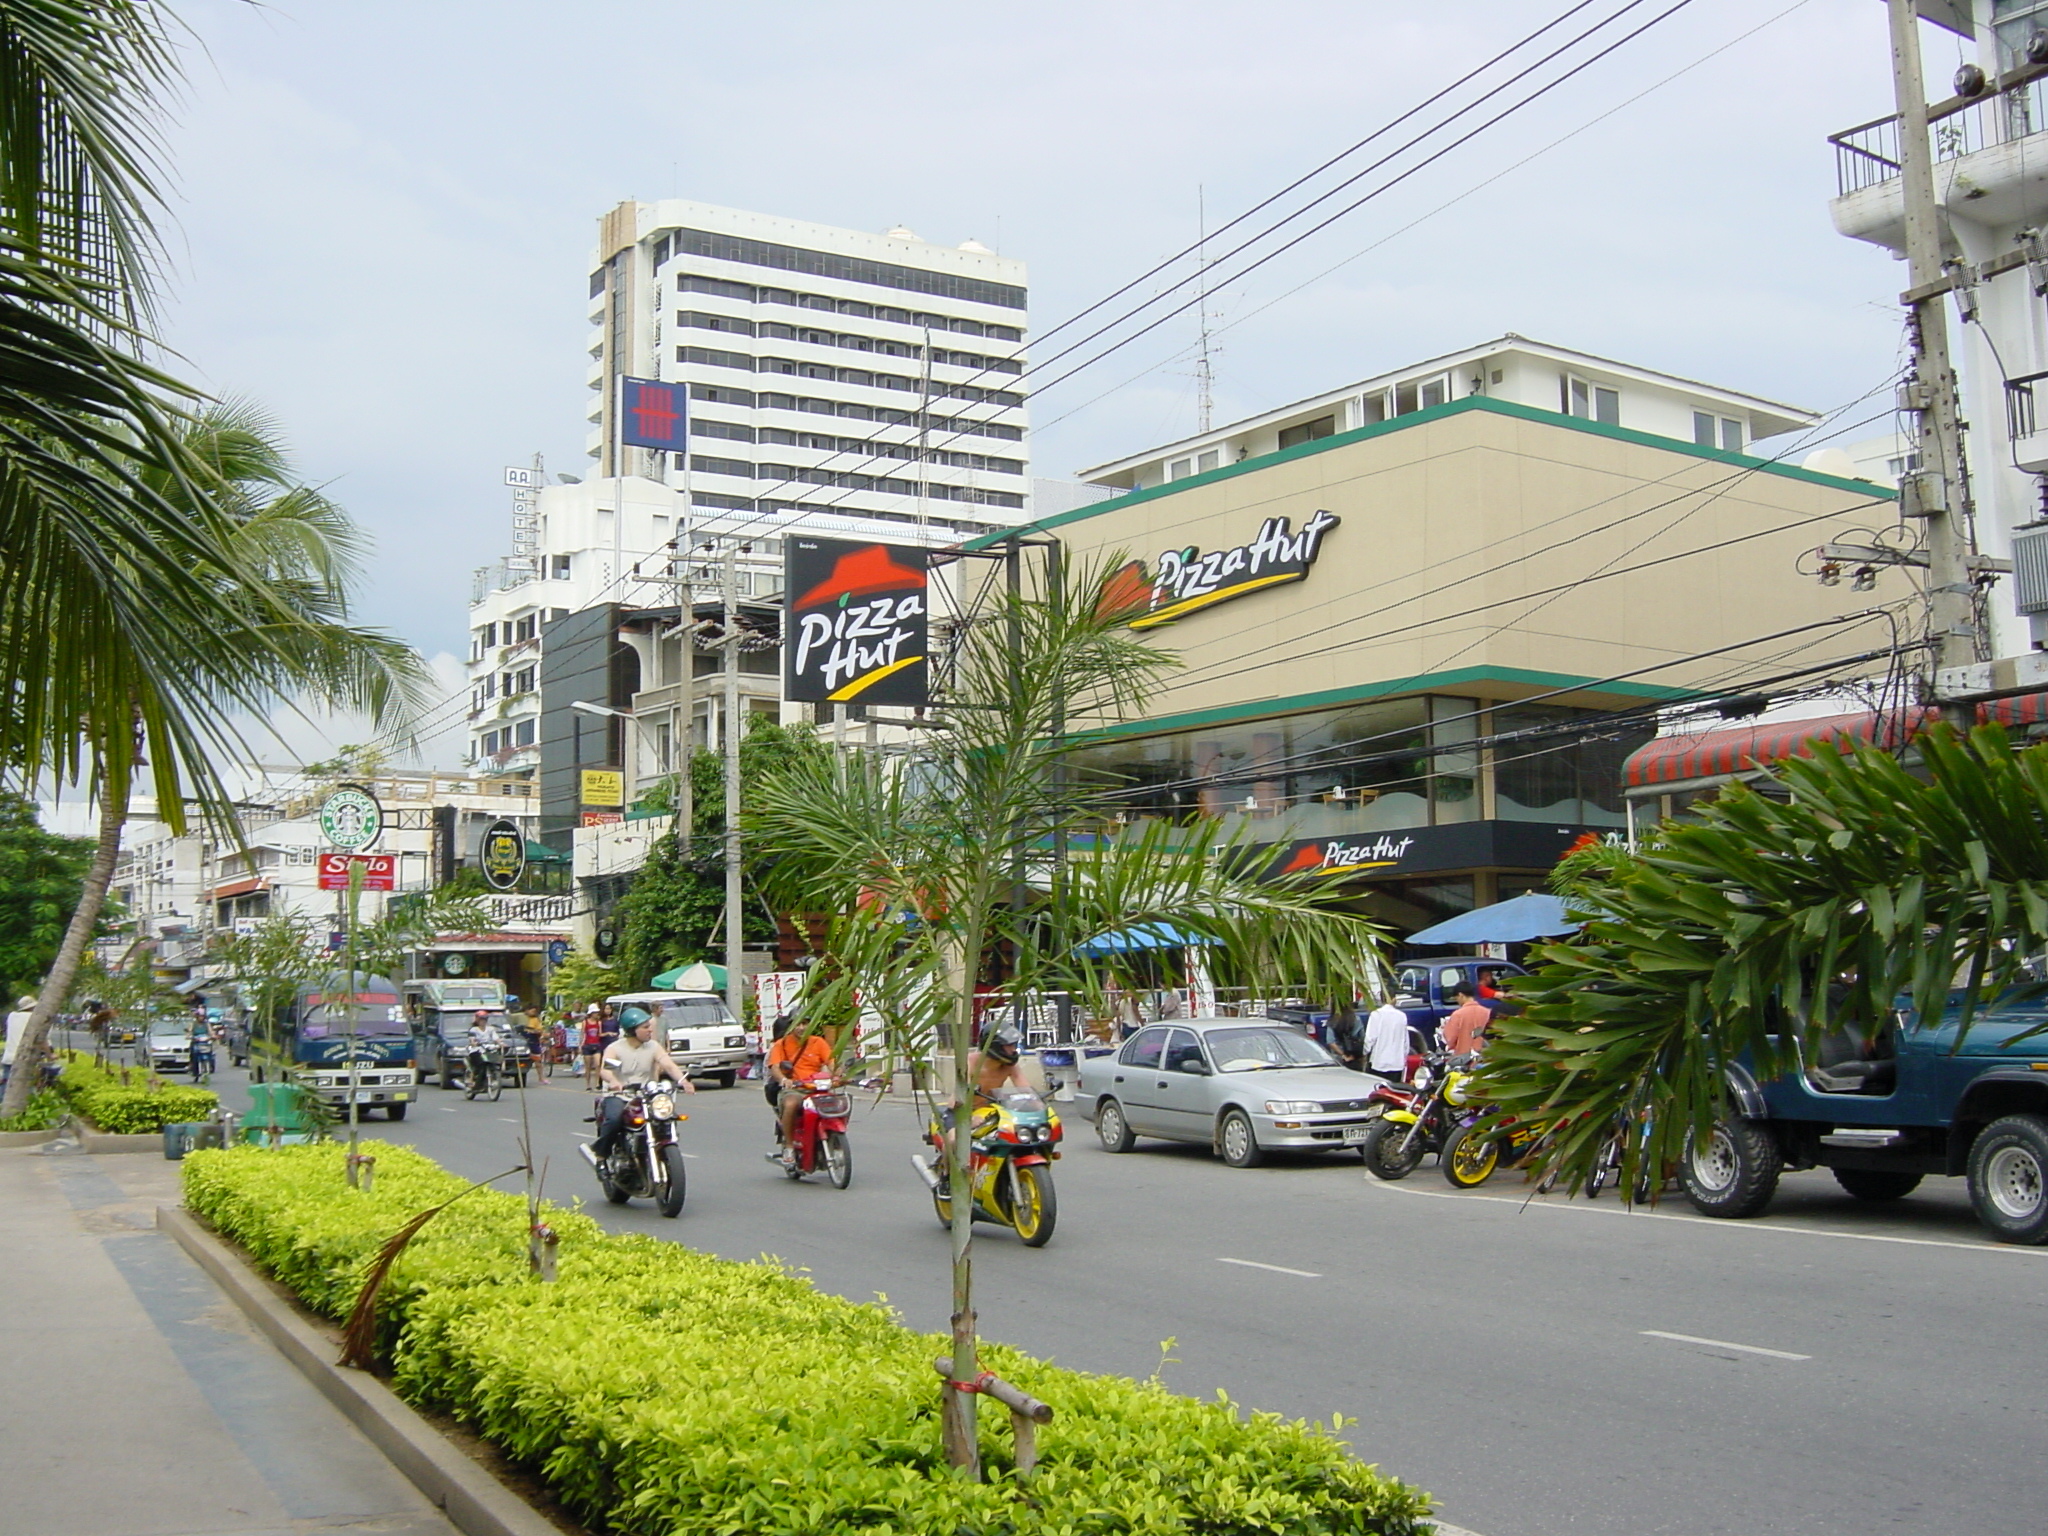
(385, 211)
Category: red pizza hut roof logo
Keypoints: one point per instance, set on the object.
(863, 573)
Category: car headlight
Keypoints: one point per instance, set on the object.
(1293, 1107)
(734, 1042)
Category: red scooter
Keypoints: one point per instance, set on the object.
(821, 1133)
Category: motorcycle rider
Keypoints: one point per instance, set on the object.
(634, 1058)
(795, 1058)
(483, 1036)
(995, 1065)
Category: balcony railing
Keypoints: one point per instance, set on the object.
(1869, 154)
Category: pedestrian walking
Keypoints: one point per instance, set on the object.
(17, 1031)
(1388, 1039)
(593, 1040)
(1346, 1036)
(201, 1052)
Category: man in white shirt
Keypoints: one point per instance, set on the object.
(17, 1031)
(1387, 1041)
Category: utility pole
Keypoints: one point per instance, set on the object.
(1934, 492)
(735, 989)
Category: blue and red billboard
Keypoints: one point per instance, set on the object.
(653, 414)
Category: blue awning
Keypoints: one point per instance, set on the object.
(1531, 916)
(1143, 936)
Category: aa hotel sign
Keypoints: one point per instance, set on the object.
(1188, 579)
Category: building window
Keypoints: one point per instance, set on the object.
(526, 628)
(1180, 469)
(1373, 408)
(705, 322)
(522, 734)
(1710, 431)
(1208, 461)
(1590, 402)
(1308, 431)
(561, 567)
(732, 430)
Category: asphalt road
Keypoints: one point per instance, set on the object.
(1543, 1368)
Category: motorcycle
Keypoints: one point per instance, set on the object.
(485, 1078)
(1015, 1143)
(1480, 1141)
(645, 1161)
(821, 1133)
(1395, 1146)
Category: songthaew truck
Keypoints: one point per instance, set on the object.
(345, 1038)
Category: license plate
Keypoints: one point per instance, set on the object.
(1356, 1132)
(365, 1096)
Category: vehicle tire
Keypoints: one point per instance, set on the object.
(838, 1159)
(394, 1111)
(1035, 1208)
(1236, 1140)
(2009, 1178)
(1469, 1157)
(1876, 1183)
(1383, 1152)
(728, 1080)
(942, 1203)
(672, 1168)
(494, 1084)
(444, 1077)
(1735, 1173)
(614, 1192)
(1112, 1129)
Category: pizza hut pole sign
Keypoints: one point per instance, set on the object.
(855, 629)
(1189, 579)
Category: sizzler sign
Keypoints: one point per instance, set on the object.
(1189, 579)
(855, 629)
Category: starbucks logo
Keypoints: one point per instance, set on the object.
(351, 818)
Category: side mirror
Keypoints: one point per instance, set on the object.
(1198, 1068)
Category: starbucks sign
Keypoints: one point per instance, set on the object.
(454, 965)
(351, 818)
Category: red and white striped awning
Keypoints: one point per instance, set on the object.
(1706, 757)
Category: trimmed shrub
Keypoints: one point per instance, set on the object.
(45, 1109)
(143, 1104)
(662, 1392)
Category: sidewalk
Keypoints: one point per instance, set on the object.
(136, 1401)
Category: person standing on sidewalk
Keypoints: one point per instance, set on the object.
(17, 1029)
(1464, 1031)
(1387, 1041)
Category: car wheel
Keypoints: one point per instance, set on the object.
(1237, 1142)
(1734, 1171)
(1877, 1183)
(394, 1111)
(2009, 1178)
(1111, 1129)
(444, 1077)
(725, 1079)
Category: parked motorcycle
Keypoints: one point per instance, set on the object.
(821, 1133)
(1015, 1144)
(646, 1161)
(1396, 1145)
(484, 1074)
(1481, 1139)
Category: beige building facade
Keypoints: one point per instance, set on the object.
(1415, 653)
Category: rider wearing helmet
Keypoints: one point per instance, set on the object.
(483, 1036)
(994, 1066)
(634, 1058)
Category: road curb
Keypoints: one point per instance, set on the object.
(476, 1502)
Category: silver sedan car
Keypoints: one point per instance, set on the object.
(1243, 1086)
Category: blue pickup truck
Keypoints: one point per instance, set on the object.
(1422, 988)
(1884, 1114)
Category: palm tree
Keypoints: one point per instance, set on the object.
(292, 557)
(977, 846)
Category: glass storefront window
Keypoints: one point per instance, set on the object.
(1557, 778)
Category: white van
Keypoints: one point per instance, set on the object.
(698, 1029)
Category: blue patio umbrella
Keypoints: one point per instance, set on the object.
(1520, 918)
(1143, 936)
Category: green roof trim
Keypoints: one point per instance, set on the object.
(1432, 682)
(1512, 408)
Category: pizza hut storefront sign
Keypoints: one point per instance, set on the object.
(1191, 579)
(855, 631)
(1531, 845)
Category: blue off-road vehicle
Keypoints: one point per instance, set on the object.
(1883, 1114)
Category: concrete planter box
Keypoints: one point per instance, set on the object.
(26, 1138)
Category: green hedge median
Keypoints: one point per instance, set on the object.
(662, 1392)
(139, 1104)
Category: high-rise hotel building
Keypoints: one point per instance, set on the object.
(829, 370)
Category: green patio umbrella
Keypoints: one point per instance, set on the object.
(700, 977)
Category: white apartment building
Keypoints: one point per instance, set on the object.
(1990, 141)
(828, 369)
(1509, 368)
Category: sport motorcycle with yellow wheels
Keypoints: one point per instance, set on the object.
(1016, 1141)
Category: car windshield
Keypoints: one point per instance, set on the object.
(1249, 1050)
(685, 1012)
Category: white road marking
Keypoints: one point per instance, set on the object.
(1588, 1208)
(1278, 1269)
(446, 1109)
(1747, 1349)
(509, 1119)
